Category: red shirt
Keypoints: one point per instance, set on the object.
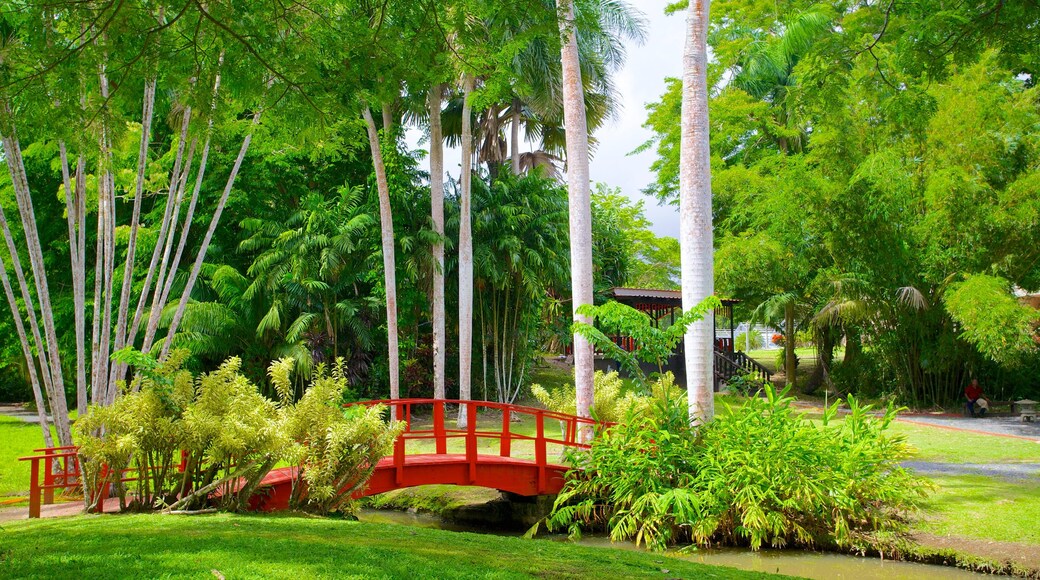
(973, 392)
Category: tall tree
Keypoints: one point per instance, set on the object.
(436, 101)
(695, 218)
(580, 201)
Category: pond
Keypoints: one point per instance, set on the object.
(818, 565)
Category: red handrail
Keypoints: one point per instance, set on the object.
(401, 410)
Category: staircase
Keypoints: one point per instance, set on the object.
(729, 364)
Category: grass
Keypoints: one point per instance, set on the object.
(976, 506)
(435, 499)
(949, 446)
(18, 440)
(297, 547)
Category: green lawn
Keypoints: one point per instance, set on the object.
(949, 446)
(231, 546)
(975, 506)
(17, 439)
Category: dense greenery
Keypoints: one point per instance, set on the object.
(875, 178)
(759, 475)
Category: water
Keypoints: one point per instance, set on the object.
(817, 565)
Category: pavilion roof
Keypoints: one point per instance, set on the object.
(656, 297)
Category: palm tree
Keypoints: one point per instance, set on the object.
(695, 227)
(435, 102)
(465, 254)
(580, 202)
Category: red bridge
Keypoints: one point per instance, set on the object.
(498, 458)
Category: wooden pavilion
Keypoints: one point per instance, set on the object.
(662, 306)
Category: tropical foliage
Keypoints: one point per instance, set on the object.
(213, 438)
(874, 173)
(758, 475)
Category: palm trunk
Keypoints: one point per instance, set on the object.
(164, 284)
(95, 341)
(695, 227)
(386, 222)
(201, 257)
(514, 137)
(437, 210)
(790, 364)
(160, 300)
(71, 219)
(171, 214)
(106, 197)
(465, 253)
(80, 286)
(580, 204)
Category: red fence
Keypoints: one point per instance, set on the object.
(572, 428)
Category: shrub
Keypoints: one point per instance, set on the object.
(759, 475)
(608, 404)
(336, 448)
(230, 436)
(745, 384)
(742, 340)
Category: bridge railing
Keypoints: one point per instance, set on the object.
(572, 429)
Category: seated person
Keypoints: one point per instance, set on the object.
(975, 402)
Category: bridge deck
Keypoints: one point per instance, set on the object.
(519, 476)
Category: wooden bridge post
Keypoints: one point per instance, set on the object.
(399, 447)
(506, 441)
(438, 428)
(471, 439)
(539, 450)
(48, 481)
(34, 489)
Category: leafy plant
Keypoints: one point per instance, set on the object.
(652, 344)
(609, 401)
(759, 475)
(335, 448)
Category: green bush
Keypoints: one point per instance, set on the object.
(336, 448)
(231, 436)
(743, 339)
(609, 402)
(745, 384)
(759, 475)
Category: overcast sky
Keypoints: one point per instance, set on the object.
(641, 81)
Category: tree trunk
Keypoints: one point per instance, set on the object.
(580, 204)
(194, 275)
(71, 205)
(695, 227)
(16, 167)
(118, 369)
(790, 364)
(437, 210)
(465, 253)
(386, 222)
(34, 379)
(167, 228)
(514, 137)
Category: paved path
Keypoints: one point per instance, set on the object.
(19, 412)
(1020, 472)
(1007, 426)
